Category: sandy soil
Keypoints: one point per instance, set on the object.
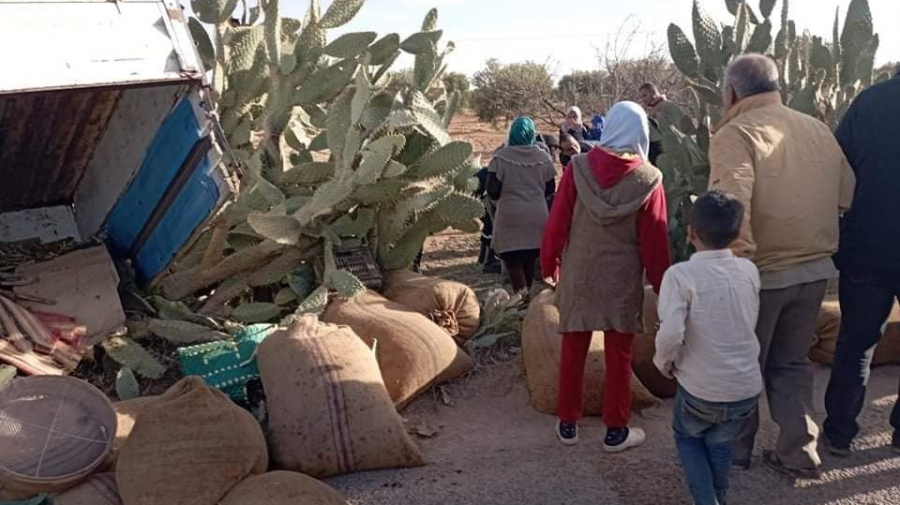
(490, 447)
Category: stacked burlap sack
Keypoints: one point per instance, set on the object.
(829, 325)
(413, 352)
(332, 394)
(541, 346)
(451, 305)
(329, 412)
(192, 445)
(645, 349)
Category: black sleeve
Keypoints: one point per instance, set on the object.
(482, 176)
(844, 135)
(655, 151)
(494, 186)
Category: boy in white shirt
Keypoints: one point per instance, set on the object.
(708, 308)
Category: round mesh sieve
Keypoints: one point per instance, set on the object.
(53, 428)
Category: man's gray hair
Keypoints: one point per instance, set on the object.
(752, 74)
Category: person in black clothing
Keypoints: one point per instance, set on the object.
(486, 257)
(868, 258)
(656, 143)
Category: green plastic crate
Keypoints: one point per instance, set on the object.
(227, 365)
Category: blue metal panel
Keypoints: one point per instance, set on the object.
(193, 205)
(168, 151)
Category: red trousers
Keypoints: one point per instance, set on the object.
(617, 386)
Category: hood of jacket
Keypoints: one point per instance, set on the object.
(612, 187)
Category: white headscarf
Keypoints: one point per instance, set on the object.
(627, 130)
(576, 110)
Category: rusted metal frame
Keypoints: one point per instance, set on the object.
(50, 174)
(197, 153)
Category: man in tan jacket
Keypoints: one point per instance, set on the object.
(791, 175)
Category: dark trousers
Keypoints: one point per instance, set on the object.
(866, 302)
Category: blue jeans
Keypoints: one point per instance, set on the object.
(704, 435)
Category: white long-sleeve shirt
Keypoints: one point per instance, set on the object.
(708, 308)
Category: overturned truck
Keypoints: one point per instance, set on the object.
(108, 150)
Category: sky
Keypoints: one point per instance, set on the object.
(569, 34)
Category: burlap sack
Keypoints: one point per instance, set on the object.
(99, 489)
(189, 447)
(451, 305)
(126, 415)
(541, 346)
(329, 412)
(645, 349)
(829, 325)
(413, 352)
(283, 488)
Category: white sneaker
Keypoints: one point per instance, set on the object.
(567, 433)
(636, 437)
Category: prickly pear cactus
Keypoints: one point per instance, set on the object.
(331, 159)
(818, 78)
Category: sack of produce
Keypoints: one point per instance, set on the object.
(99, 489)
(413, 352)
(189, 447)
(645, 349)
(126, 415)
(451, 305)
(329, 412)
(829, 326)
(283, 488)
(541, 347)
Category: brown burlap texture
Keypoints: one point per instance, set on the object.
(189, 447)
(329, 412)
(541, 346)
(413, 352)
(282, 488)
(451, 305)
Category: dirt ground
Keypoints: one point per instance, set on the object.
(489, 447)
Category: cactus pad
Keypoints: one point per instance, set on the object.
(251, 313)
(340, 12)
(683, 53)
(127, 387)
(350, 45)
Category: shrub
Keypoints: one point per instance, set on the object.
(506, 91)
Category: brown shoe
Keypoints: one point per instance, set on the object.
(771, 460)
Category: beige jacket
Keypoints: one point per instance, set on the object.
(792, 177)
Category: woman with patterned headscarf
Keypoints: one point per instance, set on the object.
(521, 177)
(606, 232)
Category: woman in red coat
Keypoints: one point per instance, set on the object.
(607, 231)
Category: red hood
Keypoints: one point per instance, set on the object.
(609, 169)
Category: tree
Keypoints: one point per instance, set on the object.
(620, 74)
(456, 81)
(506, 91)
